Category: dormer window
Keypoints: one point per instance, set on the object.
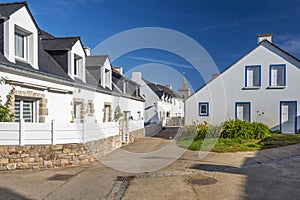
(21, 44)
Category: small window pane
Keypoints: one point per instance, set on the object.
(203, 109)
(19, 45)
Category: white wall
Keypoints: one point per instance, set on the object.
(150, 96)
(59, 105)
(22, 19)
(228, 88)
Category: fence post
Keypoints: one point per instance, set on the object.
(21, 132)
(83, 131)
(53, 132)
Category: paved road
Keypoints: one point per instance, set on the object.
(268, 174)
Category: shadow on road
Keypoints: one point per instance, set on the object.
(271, 174)
(10, 195)
(168, 133)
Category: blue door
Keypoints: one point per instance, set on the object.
(288, 116)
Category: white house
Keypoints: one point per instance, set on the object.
(261, 86)
(162, 103)
(53, 77)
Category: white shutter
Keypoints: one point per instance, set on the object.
(273, 77)
(249, 77)
(240, 112)
(284, 113)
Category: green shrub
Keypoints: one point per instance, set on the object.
(201, 131)
(244, 130)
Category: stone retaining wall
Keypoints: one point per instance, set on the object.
(14, 157)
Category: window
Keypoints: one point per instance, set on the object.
(242, 111)
(77, 64)
(25, 109)
(19, 45)
(107, 117)
(77, 112)
(277, 75)
(253, 76)
(107, 79)
(203, 109)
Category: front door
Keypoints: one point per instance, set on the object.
(288, 116)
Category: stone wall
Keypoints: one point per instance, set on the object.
(15, 157)
(134, 135)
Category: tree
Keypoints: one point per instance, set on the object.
(118, 113)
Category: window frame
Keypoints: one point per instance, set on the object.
(243, 103)
(259, 76)
(284, 76)
(77, 65)
(34, 109)
(207, 109)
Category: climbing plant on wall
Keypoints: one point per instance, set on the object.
(5, 113)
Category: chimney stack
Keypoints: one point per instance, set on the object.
(119, 69)
(262, 37)
(87, 51)
(136, 76)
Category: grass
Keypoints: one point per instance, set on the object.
(235, 145)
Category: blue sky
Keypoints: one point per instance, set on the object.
(226, 29)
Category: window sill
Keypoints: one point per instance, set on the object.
(276, 87)
(21, 59)
(251, 88)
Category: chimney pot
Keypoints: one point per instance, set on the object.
(262, 37)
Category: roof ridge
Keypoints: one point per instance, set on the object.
(13, 3)
(67, 37)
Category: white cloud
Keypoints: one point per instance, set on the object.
(289, 43)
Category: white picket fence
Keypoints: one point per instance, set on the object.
(21, 133)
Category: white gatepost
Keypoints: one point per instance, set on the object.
(83, 131)
(53, 132)
(21, 132)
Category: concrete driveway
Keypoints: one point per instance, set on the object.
(267, 174)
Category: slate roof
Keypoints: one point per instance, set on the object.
(7, 9)
(48, 66)
(93, 61)
(160, 89)
(56, 44)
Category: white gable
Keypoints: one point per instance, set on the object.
(21, 21)
(227, 89)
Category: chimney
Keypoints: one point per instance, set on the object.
(119, 69)
(213, 76)
(87, 51)
(169, 86)
(262, 37)
(136, 76)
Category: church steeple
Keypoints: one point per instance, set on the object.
(184, 91)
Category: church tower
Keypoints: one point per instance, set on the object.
(184, 91)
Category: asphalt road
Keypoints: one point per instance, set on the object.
(267, 174)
